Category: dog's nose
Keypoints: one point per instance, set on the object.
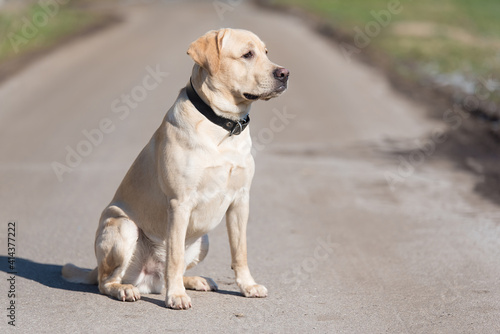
(281, 74)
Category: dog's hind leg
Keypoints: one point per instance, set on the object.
(116, 241)
(194, 254)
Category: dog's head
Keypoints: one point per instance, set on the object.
(235, 63)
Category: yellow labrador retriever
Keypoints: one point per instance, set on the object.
(196, 168)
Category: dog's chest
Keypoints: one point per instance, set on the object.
(218, 187)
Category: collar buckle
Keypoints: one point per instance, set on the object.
(237, 128)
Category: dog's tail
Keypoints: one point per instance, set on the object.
(74, 274)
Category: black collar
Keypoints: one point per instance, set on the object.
(234, 127)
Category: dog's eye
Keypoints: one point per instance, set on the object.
(248, 55)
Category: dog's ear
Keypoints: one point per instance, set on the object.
(206, 50)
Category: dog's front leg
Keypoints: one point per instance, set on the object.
(236, 220)
(178, 220)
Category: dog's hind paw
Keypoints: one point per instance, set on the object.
(129, 293)
(200, 283)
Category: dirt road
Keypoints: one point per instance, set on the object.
(348, 235)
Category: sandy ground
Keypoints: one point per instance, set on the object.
(357, 224)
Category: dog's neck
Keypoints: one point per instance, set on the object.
(233, 127)
(223, 103)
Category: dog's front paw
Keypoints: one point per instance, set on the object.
(255, 290)
(178, 301)
(129, 293)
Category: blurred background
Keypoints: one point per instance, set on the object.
(454, 43)
(451, 45)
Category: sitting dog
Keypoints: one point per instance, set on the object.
(196, 168)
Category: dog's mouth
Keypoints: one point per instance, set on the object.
(280, 89)
(250, 97)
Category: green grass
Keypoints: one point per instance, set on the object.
(16, 39)
(462, 36)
